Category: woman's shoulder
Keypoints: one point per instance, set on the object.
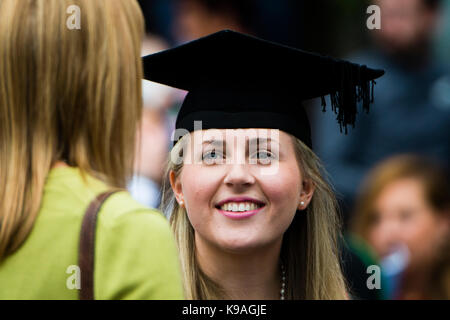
(135, 248)
(120, 209)
(68, 189)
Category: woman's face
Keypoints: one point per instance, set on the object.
(242, 187)
(403, 217)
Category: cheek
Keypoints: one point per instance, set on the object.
(280, 194)
(198, 187)
(283, 193)
(377, 240)
(284, 187)
(421, 232)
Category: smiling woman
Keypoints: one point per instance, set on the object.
(227, 189)
(233, 242)
(291, 221)
(252, 215)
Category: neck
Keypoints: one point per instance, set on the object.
(253, 275)
(59, 164)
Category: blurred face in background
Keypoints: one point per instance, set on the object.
(195, 20)
(402, 215)
(406, 25)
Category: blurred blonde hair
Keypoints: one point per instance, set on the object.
(72, 95)
(309, 250)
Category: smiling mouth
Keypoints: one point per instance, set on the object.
(240, 207)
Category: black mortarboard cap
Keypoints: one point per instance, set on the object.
(240, 81)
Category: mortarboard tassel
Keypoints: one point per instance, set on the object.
(372, 98)
(324, 104)
(352, 91)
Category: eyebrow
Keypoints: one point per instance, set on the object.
(213, 142)
(262, 140)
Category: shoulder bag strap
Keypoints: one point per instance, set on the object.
(86, 252)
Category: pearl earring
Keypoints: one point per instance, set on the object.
(302, 203)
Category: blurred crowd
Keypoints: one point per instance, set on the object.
(390, 172)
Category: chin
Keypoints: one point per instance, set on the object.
(241, 245)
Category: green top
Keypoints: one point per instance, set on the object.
(135, 254)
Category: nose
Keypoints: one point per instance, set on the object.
(238, 175)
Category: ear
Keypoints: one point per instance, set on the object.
(308, 189)
(176, 187)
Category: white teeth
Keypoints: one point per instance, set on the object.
(239, 207)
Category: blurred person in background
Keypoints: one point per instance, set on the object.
(198, 18)
(404, 209)
(412, 109)
(70, 102)
(178, 21)
(153, 138)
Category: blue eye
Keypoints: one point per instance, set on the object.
(264, 156)
(212, 156)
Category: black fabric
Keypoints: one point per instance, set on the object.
(298, 127)
(233, 73)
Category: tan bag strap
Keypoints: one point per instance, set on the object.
(86, 252)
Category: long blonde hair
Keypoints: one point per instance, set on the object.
(72, 95)
(310, 244)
